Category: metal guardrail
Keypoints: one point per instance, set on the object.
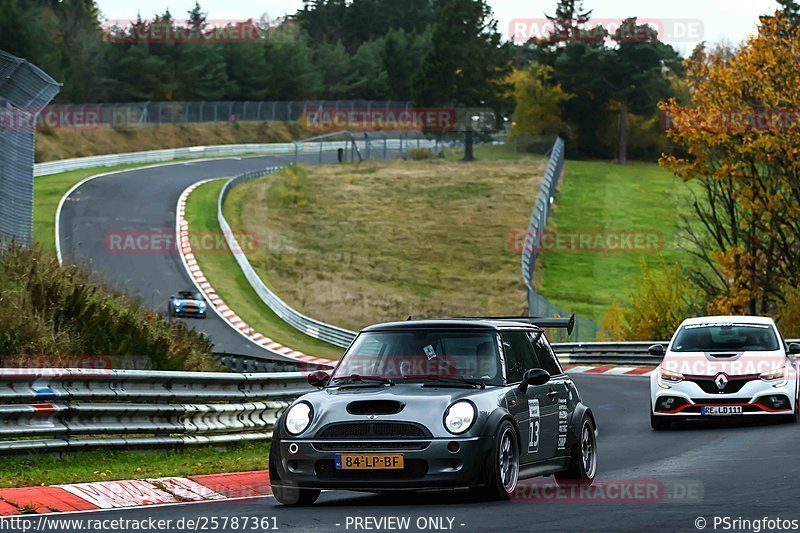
(315, 328)
(224, 150)
(538, 305)
(160, 156)
(58, 409)
(541, 210)
(312, 327)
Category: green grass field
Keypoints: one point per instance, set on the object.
(383, 240)
(108, 465)
(224, 274)
(597, 196)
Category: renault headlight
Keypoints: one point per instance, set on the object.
(668, 377)
(298, 418)
(459, 417)
(777, 377)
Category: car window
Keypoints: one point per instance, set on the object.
(725, 337)
(411, 354)
(520, 356)
(546, 355)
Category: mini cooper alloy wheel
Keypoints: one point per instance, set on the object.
(508, 461)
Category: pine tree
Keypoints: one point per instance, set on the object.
(468, 65)
(569, 18)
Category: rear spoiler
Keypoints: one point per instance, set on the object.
(565, 323)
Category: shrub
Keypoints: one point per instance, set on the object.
(291, 189)
(660, 302)
(50, 310)
(788, 315)
(418, 154)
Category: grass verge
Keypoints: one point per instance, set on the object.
(595, 197)
(109, 465)
(224, 274)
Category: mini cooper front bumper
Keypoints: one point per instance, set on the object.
(428, 463)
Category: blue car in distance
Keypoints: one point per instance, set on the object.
(189, 304)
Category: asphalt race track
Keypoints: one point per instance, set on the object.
(697, 471)
(145, 201)
(700, 471)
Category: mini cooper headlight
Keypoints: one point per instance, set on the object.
(298, 418)
(202, 305)
(459, 417)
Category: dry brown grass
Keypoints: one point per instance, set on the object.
(52, 145)
(359, 244)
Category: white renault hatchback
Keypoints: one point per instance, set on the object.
(724, 366)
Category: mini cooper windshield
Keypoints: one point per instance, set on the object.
(422, 355)
(725, 337)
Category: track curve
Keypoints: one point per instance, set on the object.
(742, 472)
(144, 200)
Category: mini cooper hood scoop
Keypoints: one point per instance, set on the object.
(375, 407)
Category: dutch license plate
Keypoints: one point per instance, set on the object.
(721, 410)
(369, 461)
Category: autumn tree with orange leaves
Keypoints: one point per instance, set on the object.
(741, 137)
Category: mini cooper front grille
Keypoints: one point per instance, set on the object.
(369, 429)
(369, 446)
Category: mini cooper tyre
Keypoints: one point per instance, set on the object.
(583, 458)
(502, 465)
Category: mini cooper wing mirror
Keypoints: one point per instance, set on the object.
(534, 376)
(793, 349)
(656, 349)
(319, 378)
